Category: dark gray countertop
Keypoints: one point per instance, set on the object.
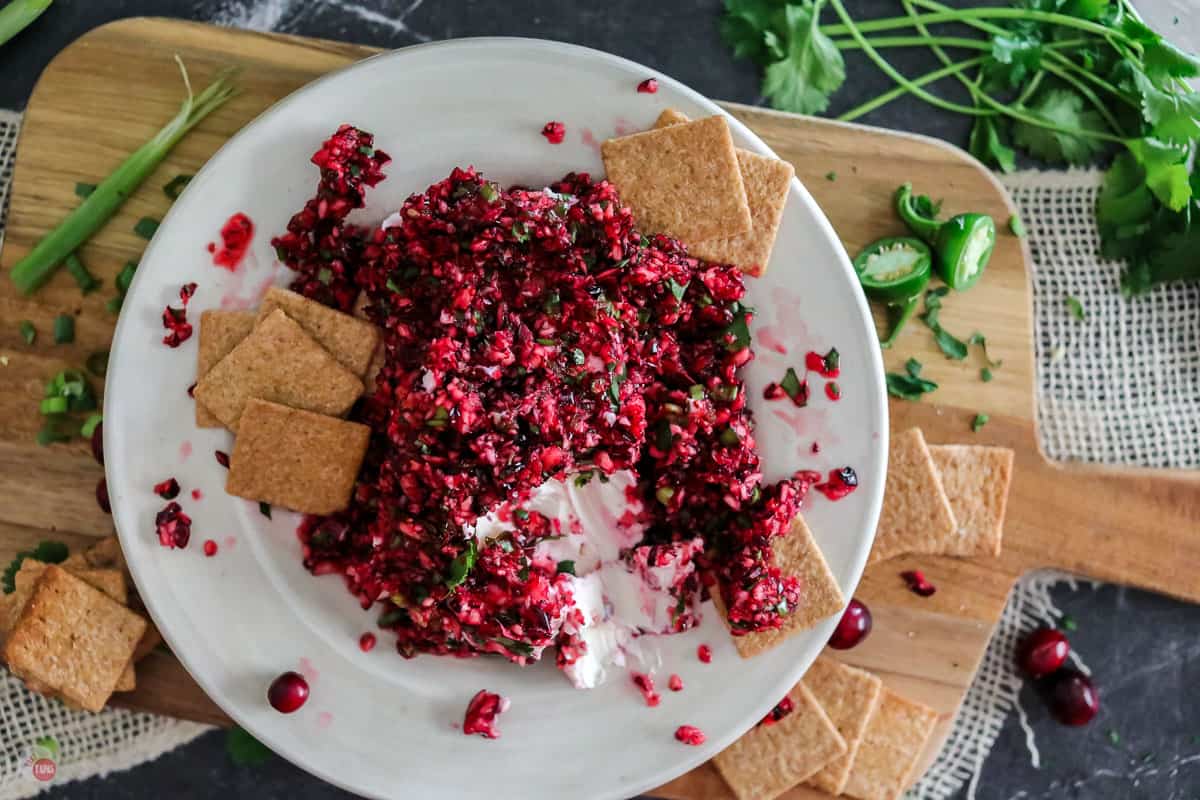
(1144, 650)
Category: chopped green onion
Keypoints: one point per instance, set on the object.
(64, 329)
(28, 332)
(89, 425)
(84, 190)
(51, 433)
(36, 268)
(124, 278)
(176, 186)
(53, 405)
(86, 281)
(1016, 226)
(146, 227)
(979, 421)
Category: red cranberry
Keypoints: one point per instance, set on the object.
(704, 653)
(481, 715)
(1042, 652)
(366, 642)
(554, 132)
(288, 692)
(1073, 697)
(675, 683)
(645, 685)
(98, 443)
(168, 489)
(852, 628)
(174, 528)
(648, 86)
(917, 583)
(222, 458)
(102, 496)
(210, 548)
(690, 734)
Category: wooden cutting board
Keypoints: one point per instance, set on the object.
(111, 90)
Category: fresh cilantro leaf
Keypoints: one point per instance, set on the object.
(1172, 115)
(979, 421)
(953, 347)
(913, 368)
(244, 750)
(47, 552)
(754, 29)
(1086, 9)
(1166, 170)
(812, 68)
(1017, 55)
(1175, 258)
(985, 375)
(566, 566)
(1075, 307)
(831, 176)
(513, 646)
(677, 288)
(1063, 108)
(981, 340)
(986, 145)
(146, 227)
(738, 331)
(462, 565)
(1164, 60)
(908, 387)
(1124, 209)
(791, 384)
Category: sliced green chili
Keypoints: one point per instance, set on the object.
(896, 271)
(962, 244)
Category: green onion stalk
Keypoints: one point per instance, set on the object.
(44, 259)
(18, 15)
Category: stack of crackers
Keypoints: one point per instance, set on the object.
(281, 378)
(687, 180)
(69, 631)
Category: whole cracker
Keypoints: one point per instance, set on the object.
(796, 553)
(220, 332)
(976, 480)
(767, 182)
(348, 339)
(73, 639)
(296, 459)
(887, 756)
(770, 759)
(916, 513)
(279, 362)
(682, 180)
(849, 696)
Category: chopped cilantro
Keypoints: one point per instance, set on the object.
(1067, 623)
(909, 386)
(146, 227)
(176, 186)
(28, 332)
(462, 565)
(677, 288)
(1075, 307)
(566, 566)
(791, 384)
(985, 375)
(46, 551)
(513, 646)
(1113, 736)
(979, 421)
(1016, 226)
(831, 176)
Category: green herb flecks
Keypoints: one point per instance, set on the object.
(28, 332)
(244, 750)
(909, 385)
(146, 227)
(85, 280)
(566, 566)
(979, 421)
(47, 552)
(462, 565)
(1075, 307)
(64, 329)
(176, 185)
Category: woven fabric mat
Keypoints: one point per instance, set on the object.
(1117, 387)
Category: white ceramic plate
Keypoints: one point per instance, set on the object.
(376, 723)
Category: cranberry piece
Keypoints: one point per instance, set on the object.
(174, 528)
(648, 86)
(833, 391)
(853, 627)
(186, 291)
(98, 443)
(690, 734)
(366, 642)
(917, 583)
(774, 392)
(288, 692)
(168, 489)
(645, 685)
(675, 683)
(781, 710)
(210, 548)
(554, 132)
(481, 715)
(222, 458)
(1072, 697)
(704, 653)
(1042, 652)
(192, 391)
(102, 496)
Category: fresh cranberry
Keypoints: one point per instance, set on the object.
(645, 685)
(774, 392)
(816, 448)
(179, 330)
(168, 489)
(98, 443)
(174, 528)
(853, 627)
(210, 548)
(186, 291)
(102, 496)
(288, 692)
(482, 712)
(917, 583)
(222, 458)
(1042, 652)
(704, 653)
(554, 132)
(675, 683)
(366, 642)
(781, 710)
(690, 734)
(648, 86)
(236, 234)
(192, 391)
(833, 391)
(1072, 697)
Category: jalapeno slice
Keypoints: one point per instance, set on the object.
(894, 269)
(962, 244)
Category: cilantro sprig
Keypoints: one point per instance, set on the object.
(1066, 81)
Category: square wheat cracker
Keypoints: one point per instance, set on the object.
(106, 554)
(849, 696)
(796, 553)
(220, 332)
(281, 363)
(916, 513)
(770, 759)
(893, 743)
(74, 639)
(296, 459)
(767, 182)
(682, 180)
(350, 340)
(976, 480)
(27, 576)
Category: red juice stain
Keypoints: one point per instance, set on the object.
(841, 482)
(589, 139)
(236, 234)
(767, 337)
(185, 451)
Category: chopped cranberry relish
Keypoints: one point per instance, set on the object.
(529, 336)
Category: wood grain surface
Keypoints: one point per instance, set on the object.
(108, 92)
